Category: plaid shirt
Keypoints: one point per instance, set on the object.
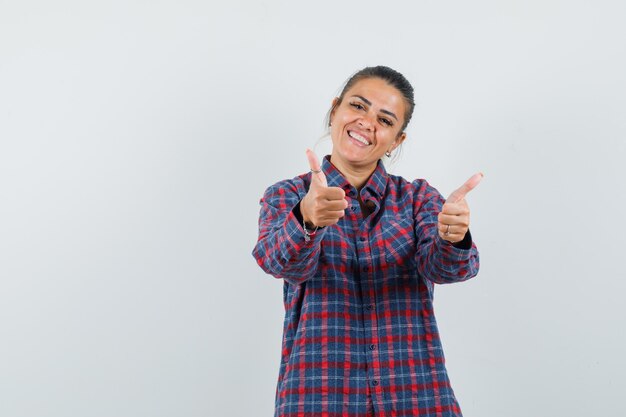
(360, 336)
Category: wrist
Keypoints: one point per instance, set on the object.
(465, 243)
(308, 231)
(306, 220)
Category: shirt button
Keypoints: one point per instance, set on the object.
(372, 346)
(353, 208)
(374, 383)
(369, 307)
(362, 238)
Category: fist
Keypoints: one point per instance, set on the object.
(322, 205)
(455, 213)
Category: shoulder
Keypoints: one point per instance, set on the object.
(419, 188)
(295, 187)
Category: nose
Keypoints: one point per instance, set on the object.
(366, 122)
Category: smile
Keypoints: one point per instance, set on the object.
(358, 138)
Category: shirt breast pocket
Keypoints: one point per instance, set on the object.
(400, 246)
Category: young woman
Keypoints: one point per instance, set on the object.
(359, 250)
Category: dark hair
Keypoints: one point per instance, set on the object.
(392, 77)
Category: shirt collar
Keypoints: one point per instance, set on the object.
(375, 185)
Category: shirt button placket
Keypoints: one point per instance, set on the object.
(363, 239)
(369, 307)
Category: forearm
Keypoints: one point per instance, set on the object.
(439, 260)
(282, 249)
(443, 263)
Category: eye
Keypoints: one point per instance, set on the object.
(357, 106)
(386, 121)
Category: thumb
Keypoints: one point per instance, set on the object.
(460, 193)
(317, 176)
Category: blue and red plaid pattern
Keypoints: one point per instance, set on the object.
(360, 336)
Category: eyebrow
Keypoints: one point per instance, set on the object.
(369, 103)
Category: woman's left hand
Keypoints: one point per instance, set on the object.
(455, 213)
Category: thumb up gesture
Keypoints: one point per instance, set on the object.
(454, 216)
(323, 205)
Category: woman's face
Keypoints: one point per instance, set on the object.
(366, 124)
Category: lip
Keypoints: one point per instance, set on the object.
(356, 141)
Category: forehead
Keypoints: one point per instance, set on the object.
(381, 94)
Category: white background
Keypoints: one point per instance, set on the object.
(136, 138)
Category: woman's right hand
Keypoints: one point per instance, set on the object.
(322, 205)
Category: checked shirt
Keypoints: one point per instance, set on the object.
(360, 336)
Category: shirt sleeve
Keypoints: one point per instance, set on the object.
(281, 249)
(438, 260)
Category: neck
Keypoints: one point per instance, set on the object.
(357, 176)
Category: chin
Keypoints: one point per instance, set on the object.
(357, 160)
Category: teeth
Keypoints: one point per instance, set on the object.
(358, 137)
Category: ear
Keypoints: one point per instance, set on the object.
(333, 107)
(399, 140)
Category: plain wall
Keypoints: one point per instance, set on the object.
(137, 137)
